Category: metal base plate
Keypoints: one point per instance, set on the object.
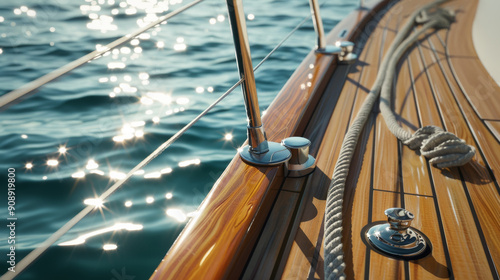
(276, 155)
(329, 49)
(300, 170)
(377, 237)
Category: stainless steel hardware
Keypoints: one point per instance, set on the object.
(342, 48)
(396, 238)
(301, 163)
(258, 151)
(318, 27)
(346, 54)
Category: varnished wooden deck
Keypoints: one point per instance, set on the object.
(441, 82)
(255, 224)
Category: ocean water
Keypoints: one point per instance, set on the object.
(76, 136)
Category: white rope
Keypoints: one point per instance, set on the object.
(334, 263)
(33, 255)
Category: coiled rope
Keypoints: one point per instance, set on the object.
(433, 141)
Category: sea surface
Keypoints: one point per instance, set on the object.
(75, 137)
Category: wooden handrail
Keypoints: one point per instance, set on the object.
(216, 243)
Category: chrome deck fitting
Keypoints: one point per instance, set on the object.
(346, 55)
(301, 163)
(258, 151)
(396, 238)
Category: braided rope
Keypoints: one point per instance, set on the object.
(444, 149)
(334, 263)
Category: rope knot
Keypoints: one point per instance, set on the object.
(443, 17)
(444, 149)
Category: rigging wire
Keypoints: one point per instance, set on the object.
(29, 88)
(33, 255)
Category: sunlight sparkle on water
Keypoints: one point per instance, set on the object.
(29, 165)
(128, 203)
(143, 76)
(150, 199)
(163, 98)
(91, 164)
(116, 65)
(24, 136)
(119, 226)
(152, 175)
(116, 175)
(139, 172)
(139, 134)
(108, 247)
(251, 17)
(52, 162)
(78, 175)
(62, 150)
(168, 195)
(199, 89)
(180, 46)
(189, 162)
(228, 137)
(98, 172)
(166, 170)
(182, 100)
(146, 100)
(98, 203)
(177, 214)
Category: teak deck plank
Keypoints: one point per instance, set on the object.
(382, 267)
(267, 251)
(494, 127)
(386, 155)
(433, 266)
(414, 170)
(479, 185)
(464, 245)
(480, 88)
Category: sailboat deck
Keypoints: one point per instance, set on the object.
(441, 82)
(256, 224)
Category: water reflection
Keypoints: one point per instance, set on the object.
(185, 163)
(177, 214)
(52, 162)
(150, 199)
(62, 149)
(108, 247)
(119, 226)
(98, 203)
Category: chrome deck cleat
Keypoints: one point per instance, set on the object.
(301, 163)
(346, 55)
(396, 238)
